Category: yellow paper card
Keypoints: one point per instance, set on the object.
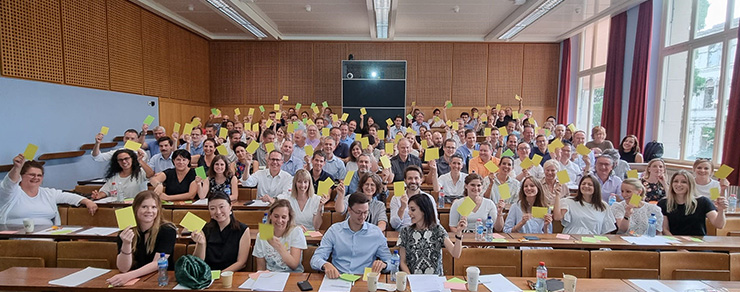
(276, 107)
(424, 144)
(632, 173)
(466, 207)
(385, 161)
(503, 132)
(130, 144)
(291, 128)
(539, 212)
(278, 115)
(325, 187)
(31, 150)
(476, 153)
(267, 231)
(389, 148)
(125, 217)
(551, 148)
(484, 118)
(572, 128)
(195, 122)
(532, 121)
(176, 128)
(268, 123)
(251, 111)
(253, 147)
(192, 222)
(714, 193)
(237, 111)
(324, 132)
(487, 132)
(364, 274)
(358, 137)
(558, 143)
(334, 117)
(223, 151)
(635, 200)
(563, 177)
(536, 159)
(348, 177)
(309, 122)
(315, 110)
(188, 129)
(526, 163)
(475, 115)
(583, 150)
(399, 188)
(389, 122)
(381, 134)
(255, 127)
(448, 123)
(517, 97)
(364, 142)
(309, 150)
(399, 136)
(363, 111)
(431, 154)
(104, 130)
(268, 147)
(723, 171)
(504, 191)
(345, 116)
(498, 107)
(515, 115)
(455, 126)
(492, 167)
(285, 97)
(222, 133)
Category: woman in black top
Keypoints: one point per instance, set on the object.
(684, 212)
(139, 247)
(179, 183)
(224, 242)
(209, 152)
(629, 149)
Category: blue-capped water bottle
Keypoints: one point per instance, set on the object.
(652, 225)
(612, 199)
(479, 230)
(162, 278)
(489, 229)
(264, 219)
(395, 262)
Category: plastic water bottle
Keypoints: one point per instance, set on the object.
(541, 285)
(264, 219)
(479, 230)
(612, 199)
(115, 193)
(441, 201)
(489, 229)
(652, 225)
(732, 207)
(163, 278)
(395, 261)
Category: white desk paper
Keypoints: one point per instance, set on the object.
(248, 284)
(652, 286)
(498, 283)
(271, 282)
(202, 202)
(102, 231)
(336, 285)
(426, 283)
(78, 278)
(645, 240)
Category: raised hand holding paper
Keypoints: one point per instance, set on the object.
(539, 212)
(104, 130)
(504, 191)
(723, 171)
(192, 222)
(714, 193)
(399, 188)
(563, 177)
(200, 172)
(635, 200)
(176, 128)
(492, 167)
(149, 119)
(267, 231)
(431, 154)
(363, 111)
(324, 187)
(253, 146)
(583, 150)
(125, 217)
(466, 207)
(222, 133)
(188, 129)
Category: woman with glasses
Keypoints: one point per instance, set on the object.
(125, 175)
(371, 186)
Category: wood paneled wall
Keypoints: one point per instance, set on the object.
(469, 74)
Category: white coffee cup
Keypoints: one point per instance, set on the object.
(569, 283)
(28, 224)
(227, 278)
(401, 281)
(372, 281)
(473, 273)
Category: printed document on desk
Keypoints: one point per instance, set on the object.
(272, 281)
(77, 278)
(498, 283)
(335, 285)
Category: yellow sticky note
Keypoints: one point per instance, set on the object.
(324, 187)
(504, 191)
(536, 159)
(176, 128)
(498, 107)
(267, 231)
(222, 133)
(268, 147)
(223, 151)
(251, 111)
(104, 130)
(125, 217)
(635, 200)
(399, 188)
(517, 97)
(389, 148)
(539, 212)
(381, 134)
(348, 177)
(503, 132)
(268, 123)
(285, 97)
(723, 171)
(253, 147)
(276, 107)
(309, 150)
(278, 115)
(188, 129)
(237, 111)
(364, 142)
(389, 122)
(492, 167)
(385, 161)
(714, 193)
(31, 149)
(431, 154)
(455, 126)
(291, 128)
(192, 222)
(572, 128)
(334, 117)
(345, 116)
(315, 110)
(363, 111)
(364, 274)
(632, 173)
(487, 132)
(563, 177)
(551, 148)
(526, 163)
(424, 144)
(255, 127)
(358, 137)
(130, 144)
(324, 132)
(466, 207)
(515, 115)
(476, 153)
(583, 150)
(558, 143)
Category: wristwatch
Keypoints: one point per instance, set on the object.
(626, 218)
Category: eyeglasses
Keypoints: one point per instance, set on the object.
(124, 159)
(360, 213)
(275, 159)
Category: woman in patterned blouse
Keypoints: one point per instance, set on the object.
(654, 180)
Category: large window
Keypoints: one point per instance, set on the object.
(697, 56)
(592, 73)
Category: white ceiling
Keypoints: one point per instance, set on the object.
(410, 20)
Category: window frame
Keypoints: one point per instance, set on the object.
(590, 72)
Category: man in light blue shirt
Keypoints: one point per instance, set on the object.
(334, 165)
(466, 150)
(579, 137)
(353, 244)
(194, 143)
(291, 164)
(162, 160)
(363, 166)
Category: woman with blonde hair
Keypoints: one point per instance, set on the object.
(703, 171)
(520, 218)
(283, 252)
(684, 212)
(307, 206)
(550, 184)
(654, 180)
(632, 219)
(598, 134)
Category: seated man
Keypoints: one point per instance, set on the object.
(316, 169)
(353, 244)
(268, 136)
(291, 163)
(271, 181)
(152, 146)
(333, 164)
(399, 205)
(129, 135)
(403, 160)
(162, 160)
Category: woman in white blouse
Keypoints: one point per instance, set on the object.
(308, 207)
(585, 213)
(125, 174)
(703, 170)
(520, 219)
(503, 176)
(483, 207)
(634, 220)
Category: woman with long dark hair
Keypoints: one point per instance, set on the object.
(585, 213)
(520, 219)
(125, 174)
(179, 183)
(224, 242)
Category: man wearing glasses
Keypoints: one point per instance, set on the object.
(353, 244)
(271, 181)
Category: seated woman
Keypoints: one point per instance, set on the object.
(598, 134)
(552, 188)
(585, 213)
(21, 196)
(284, 251)
(504, 175)
(370, 185)
(483, 207)
(654, 180)
(209, 152)
(307, 206)
(703, 171)
(224, 242)
(139, 247)
(126, 173)
(179, 183)
(629, 149)
(244, 161)
(420, 245)
(634, 220)
(220, 179)
(520, 218)
(684, 212)
(452, 184)
(355, 150)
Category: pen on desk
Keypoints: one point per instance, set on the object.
(653, 289)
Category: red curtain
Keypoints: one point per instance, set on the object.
(730, 154)
(611, 114)
(564, 94)
(638, 88)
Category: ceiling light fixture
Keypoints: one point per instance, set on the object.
(543, 9)
(308, 7)
(382, 14)
(231, 13)
(456, 9)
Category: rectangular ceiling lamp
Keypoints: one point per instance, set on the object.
(231, 13)
(382, 14)
(543, 9)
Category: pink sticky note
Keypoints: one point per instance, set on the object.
(256, 275)
(562, 236)
(455, 286)
(496, 235)
(131, 282)
(315, 234)
(9, 231)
